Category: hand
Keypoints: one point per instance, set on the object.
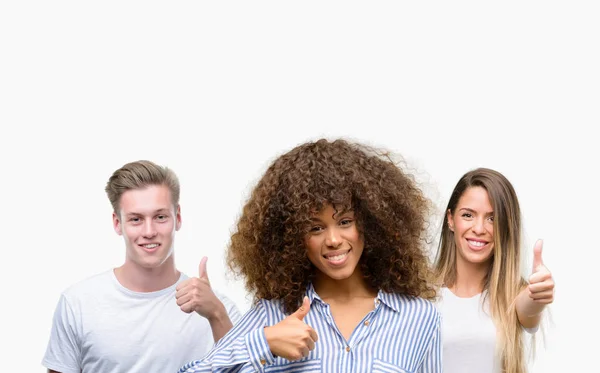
(195, 294)
(291, 338)
(541, 284)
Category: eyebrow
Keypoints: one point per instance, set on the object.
(159, 211)
(473, 211)
(336, 215)
(339, 214)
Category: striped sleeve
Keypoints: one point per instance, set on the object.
(243, 348)
(432, 363)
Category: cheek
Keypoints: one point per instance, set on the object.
(128, 231)
(359, 240)
(460, 227)
(354, 235)
(166, 228)
(312, 246)
(459, 231)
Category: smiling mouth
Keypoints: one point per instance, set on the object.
(338, 257)
(150, 246)
(477, 245)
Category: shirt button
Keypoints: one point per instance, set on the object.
(263, 361)
(367, 323)
(347, 348)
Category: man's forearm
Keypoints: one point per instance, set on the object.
(220, 323)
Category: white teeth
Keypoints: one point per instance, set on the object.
(476, 243)
(151, 246)
(337, 257)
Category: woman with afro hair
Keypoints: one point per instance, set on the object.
(332, 244)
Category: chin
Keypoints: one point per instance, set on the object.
(152, 264)
(339, 275)
(479, 259)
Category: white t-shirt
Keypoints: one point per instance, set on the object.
(99, 326)
(468, 335)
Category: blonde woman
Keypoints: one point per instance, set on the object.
(487, 304)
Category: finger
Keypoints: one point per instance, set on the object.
(183, 291)
(202, 268)
(195, 284)
(542, 275)
(184, 299)
(548, 294)
(303, 310)
(310, 344)
(186, 288)
(187, 307)
(183, 284)
(305, 351)
(542, 286)
(544, 301)
(537, 255)
(313, 334)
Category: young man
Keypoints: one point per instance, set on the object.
(145, 315)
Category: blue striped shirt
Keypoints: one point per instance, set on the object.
(402, 334)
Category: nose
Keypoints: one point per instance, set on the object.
(479, 226)
(149, 229)
(333, 238)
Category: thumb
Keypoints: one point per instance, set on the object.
(303, 310)
(202, 268)
(537, 255)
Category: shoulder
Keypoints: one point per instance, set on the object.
(90, 286)
(420, 308)
(271, 309)
(232, 308)
(223, 298)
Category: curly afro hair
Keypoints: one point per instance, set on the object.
(268, 249)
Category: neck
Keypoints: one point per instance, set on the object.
(343, 290)
(137, 278)
(469, 278)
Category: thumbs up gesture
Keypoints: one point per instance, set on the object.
(291, 338)
(541, 284)
(195, 294)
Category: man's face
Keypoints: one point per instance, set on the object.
(147, 220)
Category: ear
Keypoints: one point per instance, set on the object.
(178, 218)
(117, 223)
(450, 221)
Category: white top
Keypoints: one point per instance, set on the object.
(468, 335)
(99, 326)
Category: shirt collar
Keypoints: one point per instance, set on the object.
(388, 299)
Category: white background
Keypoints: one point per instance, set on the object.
(216, 91)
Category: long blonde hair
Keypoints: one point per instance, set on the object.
(503, 281)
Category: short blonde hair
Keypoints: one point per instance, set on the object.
(139, 175)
